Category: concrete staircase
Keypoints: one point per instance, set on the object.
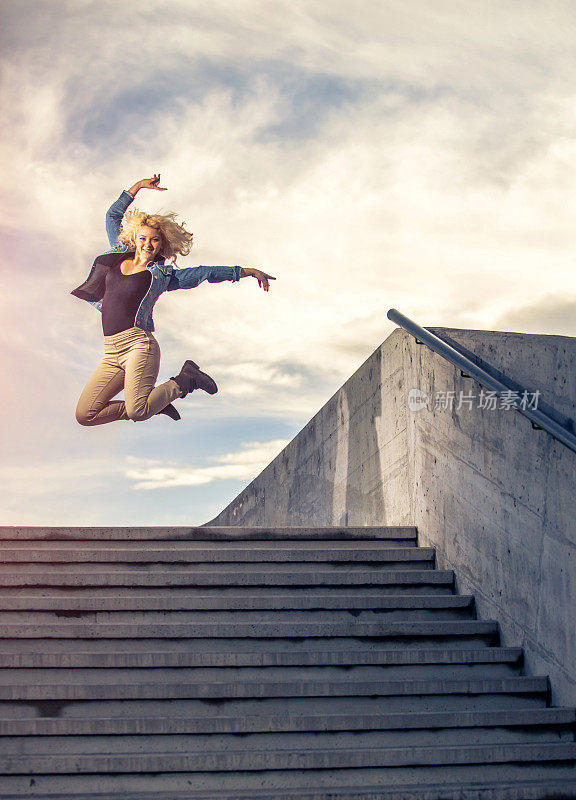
(282, 664)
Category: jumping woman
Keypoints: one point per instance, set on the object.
(124, 284)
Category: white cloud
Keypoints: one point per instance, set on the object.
(243, 465)
(56, 475)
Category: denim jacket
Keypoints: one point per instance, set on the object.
(165, 277)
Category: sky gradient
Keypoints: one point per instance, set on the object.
(413, 155)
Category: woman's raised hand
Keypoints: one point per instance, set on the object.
(260, 276)
(148, 183)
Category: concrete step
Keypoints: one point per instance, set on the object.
(9, 596)
(498, 789)
(240, 617)
(384, 672)
(211, 552)
(406, 534)
(11, 710)
(222, 683)
(164, 575)
(184, 686)
(415, 630)
(416, 671)
(143, 653)
(276, 706)
(516, 724)
(300, 573)
(337, 759)
(292, 742)
(265, 598)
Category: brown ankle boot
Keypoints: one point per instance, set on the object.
(190, 377)
(170, 411)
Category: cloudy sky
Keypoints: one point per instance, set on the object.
(417, 154)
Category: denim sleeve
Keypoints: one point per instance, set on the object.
(189, 277)
(114, 216)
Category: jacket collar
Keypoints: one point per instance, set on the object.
(163, 267)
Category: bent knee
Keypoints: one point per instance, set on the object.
(140, 414)
(84, 416)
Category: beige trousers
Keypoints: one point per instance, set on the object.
(131, 362)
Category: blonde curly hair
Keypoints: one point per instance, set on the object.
(176, 240)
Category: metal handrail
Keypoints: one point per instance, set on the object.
(539, 418)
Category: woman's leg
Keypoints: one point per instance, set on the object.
(94, 406)
(141, 362)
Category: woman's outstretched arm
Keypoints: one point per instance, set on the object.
(116, 211)
(190, 277)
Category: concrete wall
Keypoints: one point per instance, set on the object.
(496, 498)
(348, 466)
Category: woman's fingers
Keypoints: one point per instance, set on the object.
(263, 278)
(152, 183)
(156, 181)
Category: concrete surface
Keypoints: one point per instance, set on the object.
(334, 677)
(37, 533)
(551, 790)
(496, 498)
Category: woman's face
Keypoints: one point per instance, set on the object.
(148, 242)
